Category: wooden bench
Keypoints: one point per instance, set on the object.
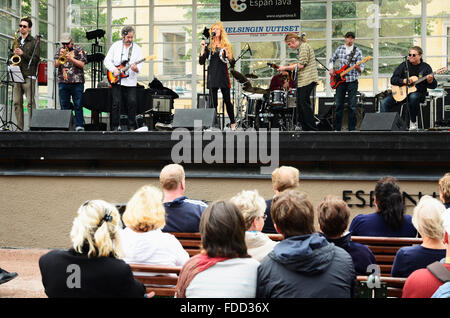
(163, 283)
(385, 248)
(394, 285)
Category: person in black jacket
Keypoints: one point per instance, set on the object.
(91, 268)
(304, 264)
(417, 67)
(219, 53)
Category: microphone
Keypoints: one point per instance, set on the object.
(249, 49)
(39, 35)
(213, 34)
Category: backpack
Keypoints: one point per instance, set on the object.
(443, 274)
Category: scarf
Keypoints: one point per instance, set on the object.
(191, 268)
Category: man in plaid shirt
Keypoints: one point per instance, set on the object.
(350, 86)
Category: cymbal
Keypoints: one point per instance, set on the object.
(256, 90)
(241, 78)
(251, 76)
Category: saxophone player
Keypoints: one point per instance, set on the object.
(28, 69)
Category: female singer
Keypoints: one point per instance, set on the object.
(219, 53)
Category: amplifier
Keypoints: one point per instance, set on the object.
(162, 103)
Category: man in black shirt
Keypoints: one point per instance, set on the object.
(417, 67)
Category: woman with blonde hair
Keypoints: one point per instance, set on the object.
(427, 219)
(252, 207)
(142, 240)
(91, 268)
(219, 53)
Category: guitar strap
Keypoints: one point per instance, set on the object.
(351, 56)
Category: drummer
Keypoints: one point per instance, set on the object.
(282, 81)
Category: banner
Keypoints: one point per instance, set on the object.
(253, 31)
(254, 10)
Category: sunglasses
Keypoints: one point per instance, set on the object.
(413, 55)
(264, 217)
(23, 26)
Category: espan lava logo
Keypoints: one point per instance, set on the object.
(238, 5)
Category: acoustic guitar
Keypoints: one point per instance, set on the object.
(399, 92)
(123, 68)
(339, 76)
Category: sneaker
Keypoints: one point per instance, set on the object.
(163, 127)
(6, 276)
(412, 126)
(79, 128)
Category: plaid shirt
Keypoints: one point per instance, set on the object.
(341, 55)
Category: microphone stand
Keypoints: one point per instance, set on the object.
(407, 87)
(30, 107)
(239, 108)
(55, 77)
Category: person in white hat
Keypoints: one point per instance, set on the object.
(70, 61)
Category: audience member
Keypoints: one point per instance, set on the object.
(389, 219)
(283, 178)
(334, 215)
(182, 214)
(444, 190)
(427, 220)
(143, 241)
(224, 269)
(423, 283)
(252, 207)
(91, 268)
(304, 264)
(6, 276)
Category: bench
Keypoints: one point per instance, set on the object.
(192, 242)
(385, 248)
(163, 280)
(394, 285)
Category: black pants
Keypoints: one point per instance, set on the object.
(123, 97)
(305, 113)
(226, 98)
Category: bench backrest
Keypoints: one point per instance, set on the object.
(394, 285)
(160, 279)
(385, 248)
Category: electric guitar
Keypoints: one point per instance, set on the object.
(399, 92)
(123, 68)
(339, 76)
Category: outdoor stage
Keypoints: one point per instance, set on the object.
(421, 155)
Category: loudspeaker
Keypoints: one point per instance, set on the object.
(52, 119)
(203, 101)
(184, 118)
(382, 122)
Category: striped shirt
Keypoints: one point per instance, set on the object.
(306, 57)
(342, 55)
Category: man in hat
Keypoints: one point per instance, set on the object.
(71, 77)
(28, 67)
(347, 54)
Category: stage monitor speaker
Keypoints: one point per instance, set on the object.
(382, 122)
(185, 118)
(203, 101)
(52, 119)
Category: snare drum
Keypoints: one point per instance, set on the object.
(277, 98)
(292, 98)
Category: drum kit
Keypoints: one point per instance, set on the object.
(265, 108)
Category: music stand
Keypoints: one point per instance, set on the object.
(16, 77)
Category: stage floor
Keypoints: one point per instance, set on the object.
(420, 155)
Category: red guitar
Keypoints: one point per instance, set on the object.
(339, 76)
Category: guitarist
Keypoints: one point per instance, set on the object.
(347, 55)
(417, 67)
(124, 91)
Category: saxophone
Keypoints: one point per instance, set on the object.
(15, 59)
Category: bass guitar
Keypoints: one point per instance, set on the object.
(399, 92)
(339, 76)
(123, 68)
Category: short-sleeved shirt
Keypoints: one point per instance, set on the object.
(308, 74)
(68, 73)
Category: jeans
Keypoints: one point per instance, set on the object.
(414, 100)
(123, 95)
(305, 113)
(351, 88)
(75, 90)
